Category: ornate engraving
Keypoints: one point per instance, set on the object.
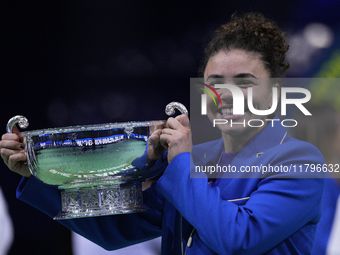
(127, 194)
(101, 200)
(89, 198)
(139, 194)
(110, 197)
(70, 200)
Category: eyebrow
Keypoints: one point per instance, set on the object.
(215, 76)
(240, 75)
(245, 75)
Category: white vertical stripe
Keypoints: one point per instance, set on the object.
(204, 104)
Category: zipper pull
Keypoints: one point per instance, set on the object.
(190, 239)
(189, 243)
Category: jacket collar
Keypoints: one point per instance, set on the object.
(273, 134)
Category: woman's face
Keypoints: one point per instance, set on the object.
(243, 69)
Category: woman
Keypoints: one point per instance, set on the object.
(268, 214)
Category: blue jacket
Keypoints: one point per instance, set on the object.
(257, 213)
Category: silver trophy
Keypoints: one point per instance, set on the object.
(98, 168)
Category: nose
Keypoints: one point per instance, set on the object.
(231, 94)
(225, 95)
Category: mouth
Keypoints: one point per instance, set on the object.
(227, 111)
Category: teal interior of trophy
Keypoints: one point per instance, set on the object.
(59, 158)
(59, 165)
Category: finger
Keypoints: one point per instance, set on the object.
(179, 122)
(155, 128)
(16, 131)
(154, 138)
(184, 120)
(164, 140)
(15, 158)
(11, 144)
(155, 133)
(23, 145)
(166, 123)
(173, 124)
(18, 164)
(8, 152)
(10, 136)
(4, 156)
(7, 155)
(168, 131)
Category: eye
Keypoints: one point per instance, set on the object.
(213, 83)
(244, 82)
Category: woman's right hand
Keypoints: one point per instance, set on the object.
(155, 149)
(14, 154)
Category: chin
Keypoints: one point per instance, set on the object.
(234, 124)
(232, 131)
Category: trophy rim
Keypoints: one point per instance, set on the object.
(92, 127)
(104, 212)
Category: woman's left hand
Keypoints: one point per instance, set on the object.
(176, 136)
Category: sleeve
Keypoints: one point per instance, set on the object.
(110, 232)
(275, 210)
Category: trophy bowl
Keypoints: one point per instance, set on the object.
(98, 168)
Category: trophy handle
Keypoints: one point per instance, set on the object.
(170, 108)
(21, 120)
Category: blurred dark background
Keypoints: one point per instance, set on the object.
(85, 62)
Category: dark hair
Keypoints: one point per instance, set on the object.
(253, 33)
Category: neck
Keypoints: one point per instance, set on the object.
(234, 143)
